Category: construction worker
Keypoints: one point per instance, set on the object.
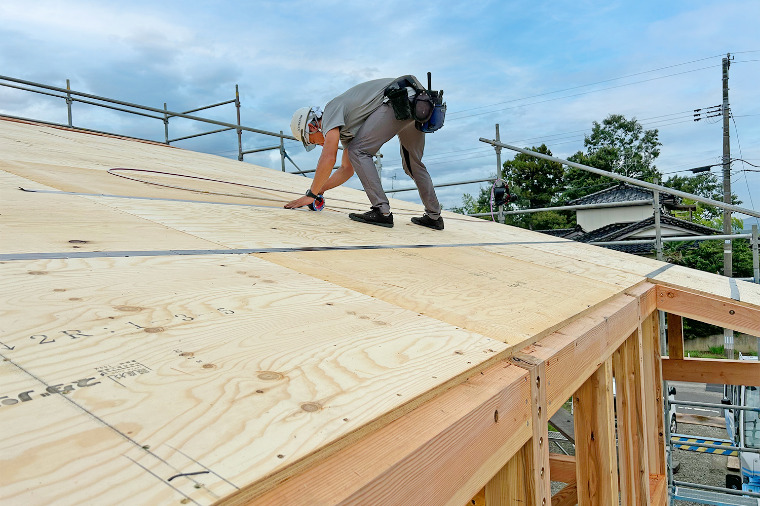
(363, 120)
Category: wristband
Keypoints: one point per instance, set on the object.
(309, 193)
(318, 204)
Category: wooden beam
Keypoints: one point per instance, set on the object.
(675, 336)
(595, 440)
(706, 370)
(653, 398)
(573, 353)
(631, 417)
(562, 467)
(562, 420)
(709, 421)
(647, 297)
(444, 451)
(513, 483)
(568, 496)
(537, 475)
(722, 312)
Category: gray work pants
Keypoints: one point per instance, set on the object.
(379, 128)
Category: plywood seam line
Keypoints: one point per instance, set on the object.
(242, 251)
(734, 289)
(659, 271)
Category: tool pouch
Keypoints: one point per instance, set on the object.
(410, 100)
(399, 100)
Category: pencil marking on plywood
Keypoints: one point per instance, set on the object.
(203, 466)
(182, 475)
(186, 497)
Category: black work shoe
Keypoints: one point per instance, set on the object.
(427, 221)
(373, 217)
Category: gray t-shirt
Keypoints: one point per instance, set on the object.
(349, 110)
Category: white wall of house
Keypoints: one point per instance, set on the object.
(591, 219)
(648, 233)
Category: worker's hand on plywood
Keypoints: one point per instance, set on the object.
(299, 202)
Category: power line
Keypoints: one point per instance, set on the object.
(749, 192)
(587, 85)
(570, 96)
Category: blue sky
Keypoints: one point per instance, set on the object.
(544, 71)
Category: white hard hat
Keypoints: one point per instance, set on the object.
(300, 123)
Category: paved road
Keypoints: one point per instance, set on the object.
(698, 392)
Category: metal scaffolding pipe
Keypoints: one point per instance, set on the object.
(673, 239)
(636, 182)
(715, 489)
(201, 134)
(599, 205)
(720, 237)
(34, 91)
(257, 150)
(210, 106)
(441, 185)
(714, 405)
(112, 107)
(146, 108)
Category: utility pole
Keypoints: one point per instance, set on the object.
(728, 335)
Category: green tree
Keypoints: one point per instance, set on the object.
(708, 256)
(472, 205)
(535, 183)
(616, 145)
(705, 185)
